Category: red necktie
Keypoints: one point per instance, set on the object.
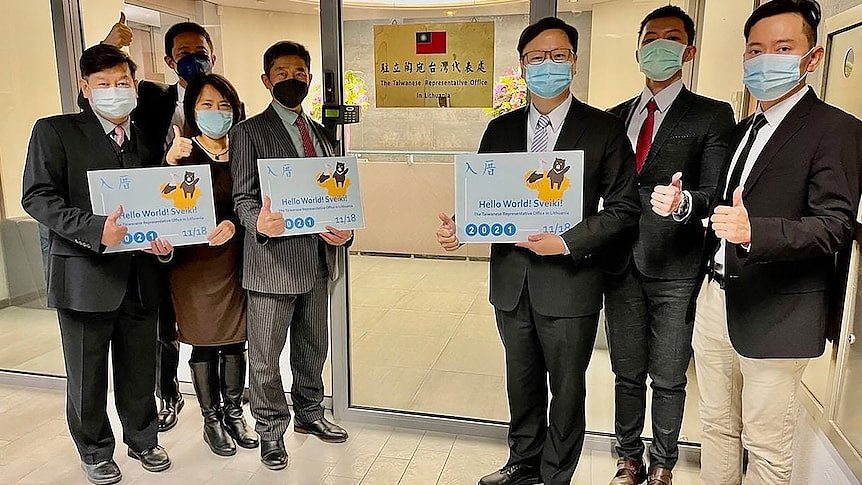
(307, 142)
(645, 136)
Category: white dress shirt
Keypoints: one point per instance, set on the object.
(774, 116)
(108, 126)
(663, 100)
(557, 117)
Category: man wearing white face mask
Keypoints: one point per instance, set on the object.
(547, 291)
(680, 146)
(103, 301)
(782, 211)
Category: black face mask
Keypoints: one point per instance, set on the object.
(290, 92)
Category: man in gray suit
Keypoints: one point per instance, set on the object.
(287, 278)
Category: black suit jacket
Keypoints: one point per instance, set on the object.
(800, 209)
(692, 139)
(56, 193)
(569, 286)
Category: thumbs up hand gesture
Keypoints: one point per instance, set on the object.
(446, 234)
(270, 224)
(732, 223)
(120, 34)
(180, 148)
(666, 199)
(113, 232)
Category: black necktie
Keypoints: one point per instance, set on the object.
(736, 175)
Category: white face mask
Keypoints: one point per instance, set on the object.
(113, 103)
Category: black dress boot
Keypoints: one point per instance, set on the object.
(206, 380)
(233, 385)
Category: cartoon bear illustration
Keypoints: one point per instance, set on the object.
(340, 174)
(188, 185)
(558, 173)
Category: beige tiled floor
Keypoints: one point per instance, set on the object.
(423, 338)
(35, 448)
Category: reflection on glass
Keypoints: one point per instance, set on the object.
(849, 419)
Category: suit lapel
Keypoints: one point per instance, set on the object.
(736, 138)
(794, 122)
(518, 140)
(98, 141)
(573, 128)
(678, 110)
(281, 136)
(629, 110)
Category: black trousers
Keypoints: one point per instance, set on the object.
(541, 349)
(649, 333)
(130, 333)
(168, 357)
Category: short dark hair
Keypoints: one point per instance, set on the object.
(671, 11)
(809, 10)
(184, 28)
(104, 56)
(547, 23)
(284, 48)
(223, 86)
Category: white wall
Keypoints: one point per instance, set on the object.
(29, 88)
(98, 16)
(614, 72)
(721, 47)
(247, 33)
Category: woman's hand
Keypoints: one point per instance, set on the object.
(222, 234)
(180, 148)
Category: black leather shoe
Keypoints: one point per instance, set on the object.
(103, 473)
(154, 459)
(518, 474)
(323, 429)
(206, 381)
(169, 410)
(273, 455)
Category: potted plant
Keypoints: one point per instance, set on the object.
(510, 93)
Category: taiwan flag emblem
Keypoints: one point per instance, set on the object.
(430, 42)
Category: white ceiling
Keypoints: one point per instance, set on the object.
(468, 6)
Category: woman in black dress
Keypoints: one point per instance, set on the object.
(206, 286)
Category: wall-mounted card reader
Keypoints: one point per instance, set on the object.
(340, 114)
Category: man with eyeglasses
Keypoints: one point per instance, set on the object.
(680, 147)
(547, 291)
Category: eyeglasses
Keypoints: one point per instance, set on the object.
(557, 55)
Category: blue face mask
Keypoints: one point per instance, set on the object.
(191, 66)
(770, 76)
(661, 59)
(549, 79)
(214, 123)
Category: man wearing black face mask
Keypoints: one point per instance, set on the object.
(189, 52)
(286, 277)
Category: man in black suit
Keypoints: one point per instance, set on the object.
(783, 209)
(188, 52)
(680, 146)
(547, 291)
(103, 300)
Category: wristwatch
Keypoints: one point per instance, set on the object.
(683, 206)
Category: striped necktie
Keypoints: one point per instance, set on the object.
(540, 136)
